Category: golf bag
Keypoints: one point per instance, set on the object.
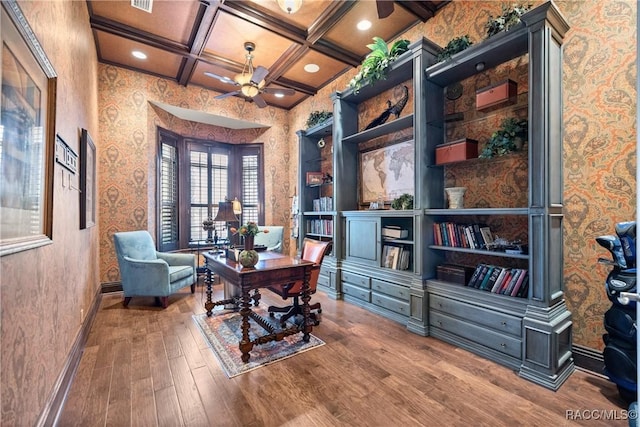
(620, 353)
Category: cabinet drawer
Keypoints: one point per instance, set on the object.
(324, 280)
(356, 292)
(498, 321)
(394, 290)
(389, 303)
(356, 279)
(478, 334)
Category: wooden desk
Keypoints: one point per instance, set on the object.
(272, 269)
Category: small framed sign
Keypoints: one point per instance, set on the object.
(315, 178)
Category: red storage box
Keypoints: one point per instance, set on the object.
(504, 91)
(456, 151)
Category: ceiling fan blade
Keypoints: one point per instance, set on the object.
(221, 78)
(385, 8)
(259, 101)
(282, 90)
(226, 95)
(259, 74)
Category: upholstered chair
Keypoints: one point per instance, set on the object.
(312, 250)
(147, 272)
(272, 240)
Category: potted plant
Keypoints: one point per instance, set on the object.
(510, 16)
(376, 64)
(454, 46)
(318, 117)
(511, 136)
(405, 201)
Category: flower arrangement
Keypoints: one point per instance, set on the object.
(249, 229)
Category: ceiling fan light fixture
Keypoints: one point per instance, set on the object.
(290, 6)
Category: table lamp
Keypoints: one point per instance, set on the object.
(225, 214)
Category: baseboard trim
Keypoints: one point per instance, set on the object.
(588, 359)
(53, 407)
(108, 287)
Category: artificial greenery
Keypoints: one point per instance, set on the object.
(376, 64)
(510, 16)
(513, 133)
(454, 46)
(318, 117)
(405, 201)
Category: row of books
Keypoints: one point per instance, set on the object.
(472, 236)
(396, 257)
(501, 280)
(320, 226)
(323, 204)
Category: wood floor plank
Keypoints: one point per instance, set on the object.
(143, 403)
(370, 372)
(168, 408)
(193, 413)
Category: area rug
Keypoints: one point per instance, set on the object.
(223, 333)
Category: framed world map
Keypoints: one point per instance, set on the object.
(387, 172)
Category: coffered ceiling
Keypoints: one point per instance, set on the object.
(185, 39)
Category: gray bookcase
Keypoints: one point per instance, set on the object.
(530, 334)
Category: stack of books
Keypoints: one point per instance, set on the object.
(323, 204)
(501, 280)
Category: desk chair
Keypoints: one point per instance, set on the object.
(312, 250)
(272, 240)
(146, 272)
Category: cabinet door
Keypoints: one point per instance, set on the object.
(363, 240)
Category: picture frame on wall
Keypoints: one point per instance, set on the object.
(386, 173)
(87, 181)
(27, 117)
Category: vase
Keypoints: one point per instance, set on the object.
(248, 257)
(456, 197)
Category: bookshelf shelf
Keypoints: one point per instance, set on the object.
(479, 252)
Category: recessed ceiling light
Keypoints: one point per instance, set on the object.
(364, 25)
(279, 95)
(311, 68)
(139, 55)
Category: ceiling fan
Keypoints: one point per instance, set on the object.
(250, 81)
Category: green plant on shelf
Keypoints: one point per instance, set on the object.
(376, 64)
(317, 117)
(454, 46)
(510, 16)
(511, 136)
(405, 201)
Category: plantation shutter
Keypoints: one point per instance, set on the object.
(168, 235)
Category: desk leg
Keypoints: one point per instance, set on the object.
(245, 344)
(208, 279)
(307, 322)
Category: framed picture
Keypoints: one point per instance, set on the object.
(315, 178)
(27, 116)
(87, 181)
(386, 173)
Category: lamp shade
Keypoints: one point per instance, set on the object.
(225, 212)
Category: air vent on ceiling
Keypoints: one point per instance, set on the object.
(145, 5)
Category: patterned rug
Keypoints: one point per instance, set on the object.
(222, 331)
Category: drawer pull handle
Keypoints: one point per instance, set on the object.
(503, 345)
(504, 323)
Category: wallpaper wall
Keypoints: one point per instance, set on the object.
(45, 292)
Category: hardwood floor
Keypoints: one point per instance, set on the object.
(145, 366)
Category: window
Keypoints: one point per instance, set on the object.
(194, 176)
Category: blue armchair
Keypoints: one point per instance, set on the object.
(272, 240)
(146, 272)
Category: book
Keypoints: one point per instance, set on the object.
(486, 236)
(393, 256)
(512, 283)
(475, 275)
(518, 284)
(492, 279)
(505, 280)
(499, 279)
(486, 277)
(482, 275)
